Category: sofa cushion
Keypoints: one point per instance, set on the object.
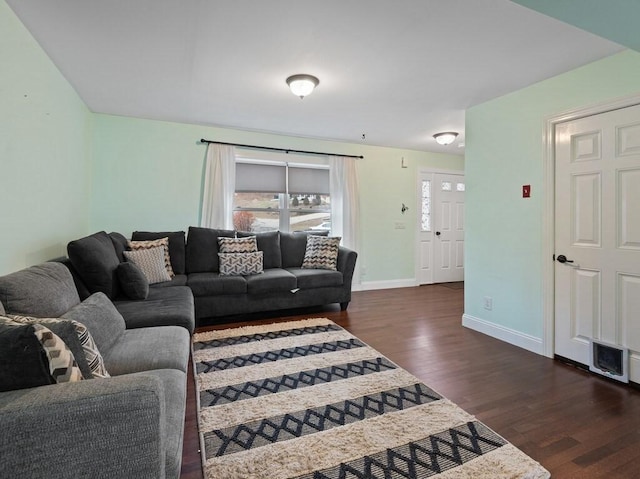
(321, 253)
(177, 280)
(133, 283)
(32, 355)
(101, 318)
(77, 338)
(212, 284)
(316, 278)
(120, 243)
(176, 246)
(202, 249)
(151, 262)
(235, 264)
(163, 307)
(294, 245)
(271, 280)
(143, 349)
(269, 244)
(95, 259)
(43, 290)
(247, 244)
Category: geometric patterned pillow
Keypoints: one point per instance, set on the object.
(248, 244)
(82, 345)
(236, 264)
(164, 242)
(62, 365)
(152, 263)
(321, 252)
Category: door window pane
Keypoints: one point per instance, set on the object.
(446, 186)
(426, 205)
(459, 186)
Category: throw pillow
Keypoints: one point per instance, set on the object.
(176, 246)
(31, 355)
(235, 264)
(321, 253)
(148, 244)
(77, 338)
(269, 244)
(151, 262)
(133, 282)
(238, 245)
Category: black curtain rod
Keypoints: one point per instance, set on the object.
(286, 150)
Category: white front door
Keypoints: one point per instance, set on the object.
(597, 234)
(448, 227)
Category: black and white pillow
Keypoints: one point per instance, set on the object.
(79, 340)
(248, 244)
(236, 264)
(321, 252)
(32, 355)
(148, 244)
(152, 263)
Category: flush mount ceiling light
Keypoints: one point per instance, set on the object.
(302, 85)
(446, 137)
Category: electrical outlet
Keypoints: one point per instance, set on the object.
(488, 303)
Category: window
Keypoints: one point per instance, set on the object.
(446, 186)
(280, 196)
(426, 205)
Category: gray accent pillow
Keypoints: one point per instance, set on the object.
(101, 318)
(120, 244)
(43, 290)
(269, 244)
(95, 260)
(133, 282)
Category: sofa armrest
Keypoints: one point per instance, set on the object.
(98, 428)
(347, 264)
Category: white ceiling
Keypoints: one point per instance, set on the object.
(397, 71)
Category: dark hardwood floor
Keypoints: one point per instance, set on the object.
(576, 424)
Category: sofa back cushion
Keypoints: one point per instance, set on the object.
(120, 243)
(95, 260)
(101, 318)
(43, 290)
(177, 251)
(269, 244)
(202, 249)
(293, 247)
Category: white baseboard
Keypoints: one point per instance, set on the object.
(390, 284)
(511, 336)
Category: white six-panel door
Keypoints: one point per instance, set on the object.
(440, 250)
(597, 288)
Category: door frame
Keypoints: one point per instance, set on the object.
(419, 173)
(548, 223)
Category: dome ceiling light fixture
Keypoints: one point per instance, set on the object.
(446, 137)
(302, 84)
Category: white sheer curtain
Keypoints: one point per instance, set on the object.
(345, 214)
(219, 186)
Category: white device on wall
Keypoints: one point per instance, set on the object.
(610, 360)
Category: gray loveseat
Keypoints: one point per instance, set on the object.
(284, 284)
(127, 425)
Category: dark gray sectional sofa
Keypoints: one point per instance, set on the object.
(127, 425)
(131, 424)
(284, 284)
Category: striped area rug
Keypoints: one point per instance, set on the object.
(306, 399)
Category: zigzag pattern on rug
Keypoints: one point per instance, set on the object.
(308, 400)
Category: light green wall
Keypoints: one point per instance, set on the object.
(504, 150)
(148, 175)
(45, 146)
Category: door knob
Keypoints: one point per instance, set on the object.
(437, 233)
(563, 259)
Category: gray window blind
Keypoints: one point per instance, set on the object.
(251, 177)
(309, 181)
